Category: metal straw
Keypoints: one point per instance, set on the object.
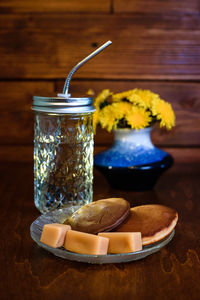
(67, 81)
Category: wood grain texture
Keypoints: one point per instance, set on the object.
(16, 96)
(147, 46)
(58, 6)
(29, 272)
(19, 153)
(17, 119)
(156, 6)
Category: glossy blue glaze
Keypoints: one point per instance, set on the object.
(130, 148)
(133, 162)
(119, 156)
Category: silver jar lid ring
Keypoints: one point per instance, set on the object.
(66, 96)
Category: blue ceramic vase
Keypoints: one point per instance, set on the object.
(133, 162)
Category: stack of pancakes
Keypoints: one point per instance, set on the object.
(154, 221)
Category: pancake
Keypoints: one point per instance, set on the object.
(154, 222)
(98, 216)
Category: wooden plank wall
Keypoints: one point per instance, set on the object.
(156, 45)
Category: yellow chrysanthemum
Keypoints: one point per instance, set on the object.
(143, 98)
(138, 118)
(108, 118)
(101, 97)
(163, 111)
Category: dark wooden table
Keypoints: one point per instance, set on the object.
(29, 272)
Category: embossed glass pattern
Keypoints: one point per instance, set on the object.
(63, 160)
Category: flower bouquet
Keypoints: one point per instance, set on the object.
(133, 162)
(135, 109)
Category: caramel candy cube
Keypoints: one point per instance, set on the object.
(54, 234)
(85, 243)
(123, 242)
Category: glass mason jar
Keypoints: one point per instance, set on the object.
(63, 152)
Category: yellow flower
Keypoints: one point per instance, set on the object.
(143, 98)
(121, 109)
(111, 114)
(90, 92)
(108, 118)
(135, 108)
(138, 118)
(138, 97)
(163, 111)
(95, 120)
(120, 96)
(101, 97)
